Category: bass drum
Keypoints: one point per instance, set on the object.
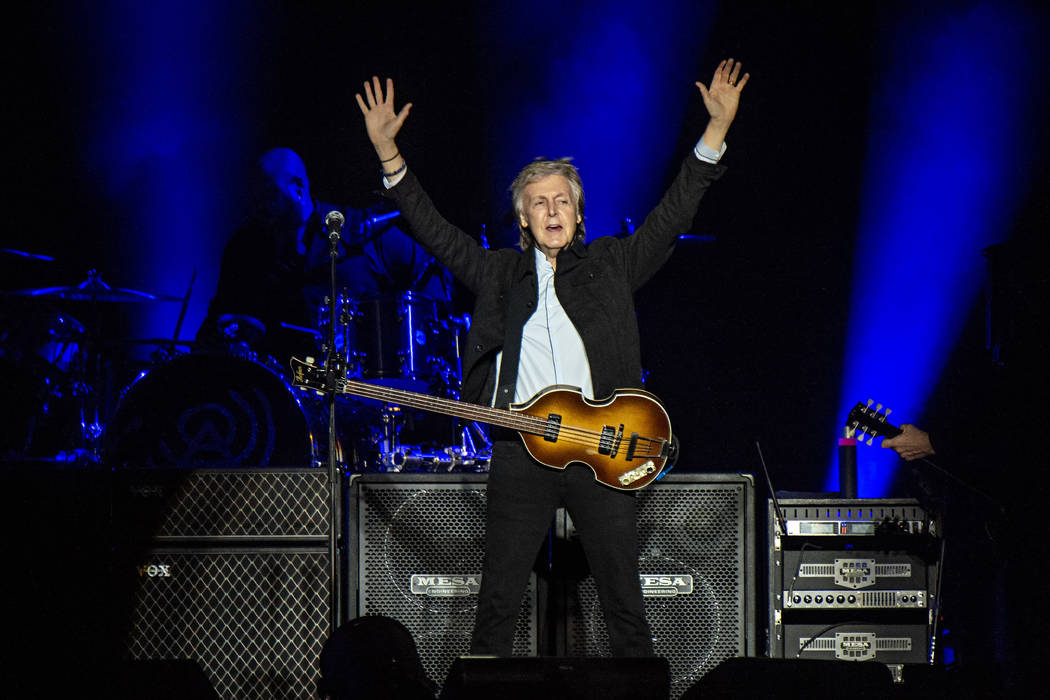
(204, 411)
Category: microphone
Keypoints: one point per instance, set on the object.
(333, 224)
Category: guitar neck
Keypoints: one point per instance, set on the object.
(504, 418)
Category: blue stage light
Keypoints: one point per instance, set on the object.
(592, 82)
(945, 170)
(160, 136)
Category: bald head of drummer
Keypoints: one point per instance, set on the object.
(281, 190)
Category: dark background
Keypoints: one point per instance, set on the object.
(743, 335)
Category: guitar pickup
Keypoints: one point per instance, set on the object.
(550, 434)
(609, 443)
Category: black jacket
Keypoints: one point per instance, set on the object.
(595, 284)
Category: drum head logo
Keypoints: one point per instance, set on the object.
(210, 412)
(232, 432)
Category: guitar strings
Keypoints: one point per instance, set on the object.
(524, 421)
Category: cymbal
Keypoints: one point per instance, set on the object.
(26, 254)
(151, 341)
(94, 289)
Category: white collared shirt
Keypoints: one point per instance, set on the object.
(552, 351)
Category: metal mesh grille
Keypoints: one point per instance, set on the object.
(255, 620)
(685, 530)
(436, 529)
(816, 570)
(257, 503)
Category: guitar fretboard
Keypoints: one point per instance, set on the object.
(504, 418)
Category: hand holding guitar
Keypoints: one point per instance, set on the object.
(907, 440)
(911, 444)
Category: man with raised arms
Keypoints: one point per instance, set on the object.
(561, 311)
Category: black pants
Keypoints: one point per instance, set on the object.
(522, 497)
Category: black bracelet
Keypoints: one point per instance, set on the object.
(396, 172)
(391, 157)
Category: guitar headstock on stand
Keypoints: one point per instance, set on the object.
(872, 421)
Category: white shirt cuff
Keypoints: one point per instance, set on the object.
(389, 182)
(708, 154)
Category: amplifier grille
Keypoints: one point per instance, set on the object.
(254, 619)
(210, 504)
(816, 570)
(878, 599)
(437, 529)
(855, 646)
(695, 529)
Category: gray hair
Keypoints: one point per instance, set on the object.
(537, 170)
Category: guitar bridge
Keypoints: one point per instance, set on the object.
(632, 445)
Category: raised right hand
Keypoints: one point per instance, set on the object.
(381, 121)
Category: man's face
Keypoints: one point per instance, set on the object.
(550, 214)
(288, 187)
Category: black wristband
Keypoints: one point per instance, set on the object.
(396, 172)
(391, 157)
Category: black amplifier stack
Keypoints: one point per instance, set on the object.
(854, 580)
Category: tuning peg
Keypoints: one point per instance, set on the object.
(878, 407)
(309, 360)
(887, 412)
(870, 402)
(870, 440)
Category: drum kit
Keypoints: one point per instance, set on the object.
(187, 408)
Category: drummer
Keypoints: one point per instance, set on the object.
(275, 270)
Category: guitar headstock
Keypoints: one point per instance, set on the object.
(871, 421)
(307, 375)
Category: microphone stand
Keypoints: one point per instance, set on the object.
(333, 224)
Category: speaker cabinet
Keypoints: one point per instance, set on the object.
(697, 567)
(228, 568)
(234, 505)
(255, 619)
(416, 542)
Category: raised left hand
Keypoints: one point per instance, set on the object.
(381, 121)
